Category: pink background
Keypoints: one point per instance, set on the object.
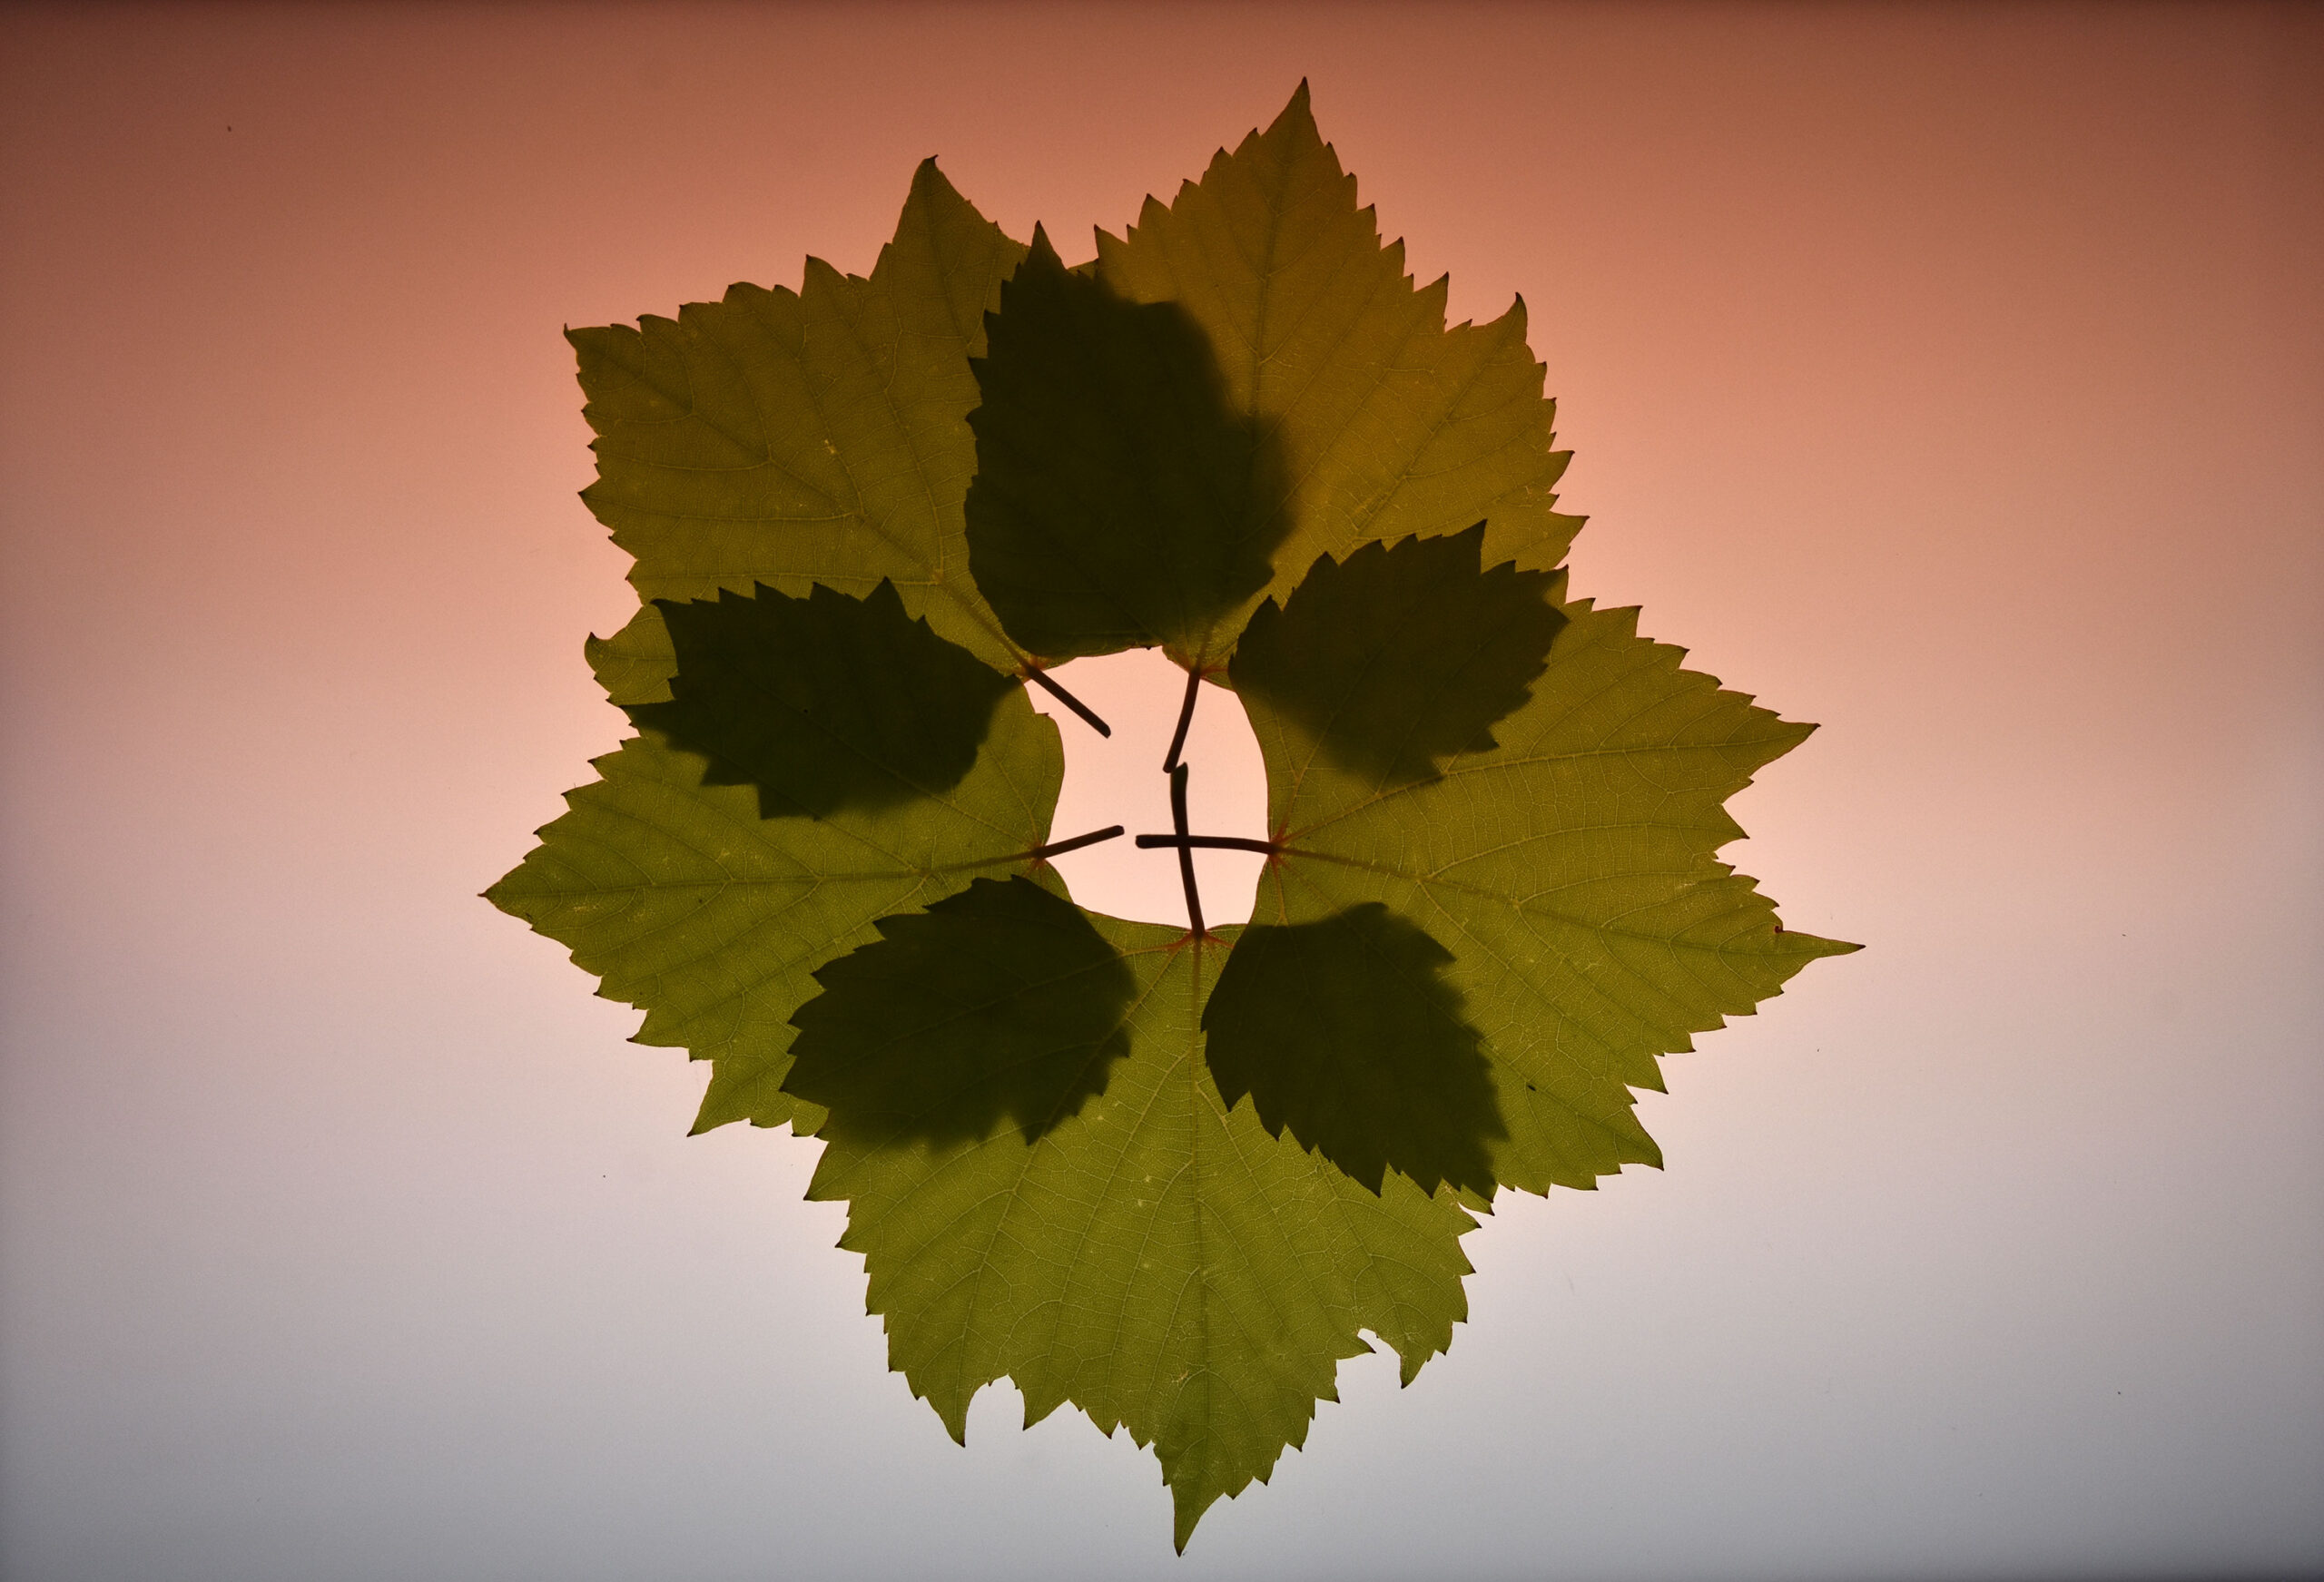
(1951, 376)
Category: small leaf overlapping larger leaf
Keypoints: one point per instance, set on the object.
(802, 437)
(713, 920)
(1156, 1258)
(1172, 1177)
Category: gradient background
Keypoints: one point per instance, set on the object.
(1954, 378)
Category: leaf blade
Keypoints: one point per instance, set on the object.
(711, 920)
(1118, 503)
(1570, 871)
(824, 701)
(797, 437)
(1389, 424)
(1156, 1259)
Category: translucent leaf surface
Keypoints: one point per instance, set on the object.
(1386, 423)
(1342, 1031)
(1570, 871)
(795, 437)
(690, 905)
(1157, 1258)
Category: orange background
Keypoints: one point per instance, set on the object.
(1952, 376)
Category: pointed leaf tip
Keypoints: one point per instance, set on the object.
(1298, 112)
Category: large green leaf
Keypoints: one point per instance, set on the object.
(712, 920)
(795, 437)
(1156, 1259)
(1570, 871)
(1383, 422)
(1118, 501)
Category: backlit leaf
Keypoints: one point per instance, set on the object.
(1571, 872)
(1170, 1177)
(1398, 658)
(1343, 1031)
(1156, 1259)
(1001, 1002)
(822, 703)
(796, 438)
(1118, 501)
(1386, 422)
(712, 920)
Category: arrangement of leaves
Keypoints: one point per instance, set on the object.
(1171, 1175)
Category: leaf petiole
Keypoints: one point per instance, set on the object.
(1059, 848)
(1185, 843)
(1041, 679)
(1186, 718)
(1209, 843)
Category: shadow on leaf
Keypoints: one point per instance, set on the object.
(1398, 658)
(1343, 1031)
(822, 703)
(1000, 1003)
(1118, 502)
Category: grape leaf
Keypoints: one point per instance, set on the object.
(712, 920)
(1569, 870)
(1342, 1029)
(797, 437)
(822, 703)
(1118, 503)
(1386, 423)
(1001, 1002)
(1397, 658)
(1167, 1175)
(1156, 1259)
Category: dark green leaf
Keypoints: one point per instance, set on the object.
(1398, 658)
(822, 703)
(1343, 1031)
(999, 1002)
(1118, 501)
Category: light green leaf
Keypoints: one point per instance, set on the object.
(794, 437)
(1156, 1259)
(1571, 872)
(1385, 422)
(712, 920)
(1492, 901)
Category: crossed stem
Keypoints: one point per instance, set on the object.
(1185, 844)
